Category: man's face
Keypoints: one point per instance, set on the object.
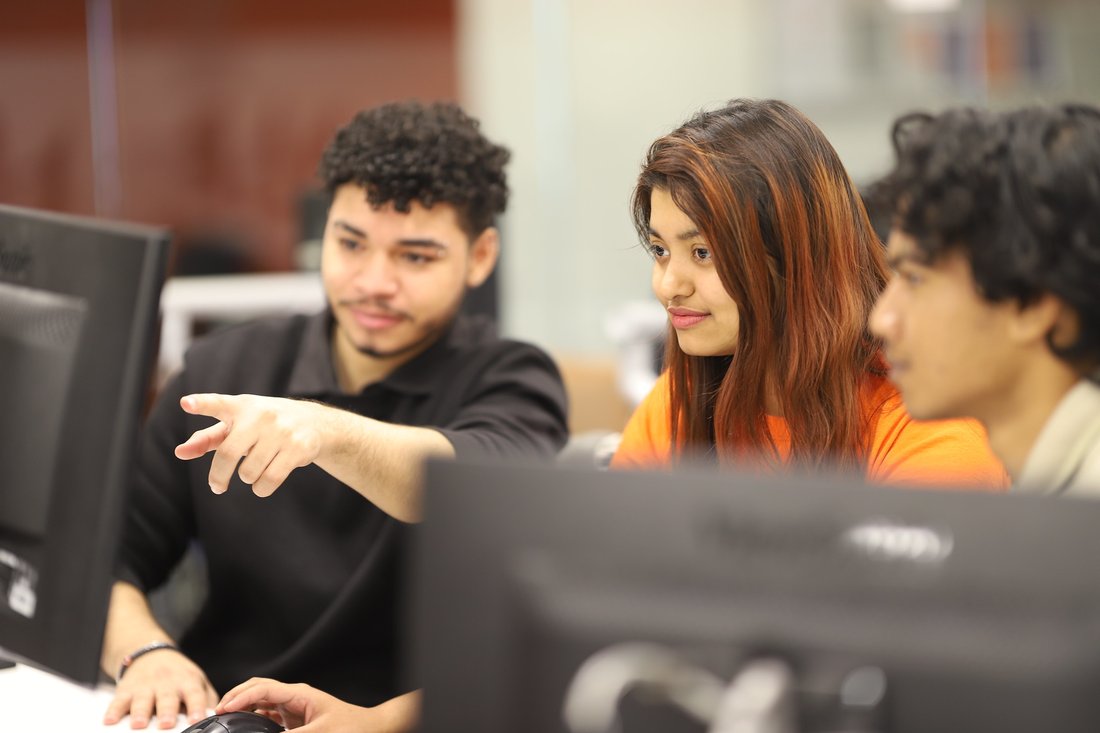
(396, 280)
(951, 352)
(685, 280)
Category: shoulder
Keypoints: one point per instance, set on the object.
(475, 340)
(952, 452)
(657, 401)
(1088, 478)
(479, 334)
(647, 438)
(472, 332)
(894, 425)
(654, 410)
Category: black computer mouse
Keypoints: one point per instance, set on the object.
(235, 723)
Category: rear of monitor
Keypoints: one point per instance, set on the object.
(965, 612)
(78, 309)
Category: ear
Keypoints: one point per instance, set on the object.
(483, 257)
(1047, 314)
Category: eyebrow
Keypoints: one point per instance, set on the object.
(408, 242)
(682, 236)
(895, 260)
(349, 228)
(414, 242)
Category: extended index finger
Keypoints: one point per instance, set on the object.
(219, 406)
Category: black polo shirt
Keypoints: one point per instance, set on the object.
(306, 585)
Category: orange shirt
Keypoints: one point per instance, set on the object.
(952, 453)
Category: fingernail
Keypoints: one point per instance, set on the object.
(216, 490)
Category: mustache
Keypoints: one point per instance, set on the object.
(375, 305)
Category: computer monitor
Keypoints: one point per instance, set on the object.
(78, 313)
(643, 602)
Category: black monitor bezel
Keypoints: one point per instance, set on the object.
(120, 269)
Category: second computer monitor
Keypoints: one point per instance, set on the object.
(552, 600)
(78, 313)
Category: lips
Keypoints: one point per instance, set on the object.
(374, 320)
(682, 318)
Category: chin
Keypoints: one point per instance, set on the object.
(381, 351)
(692, 347)
(380, 343)
(919, 411)
(702, 350)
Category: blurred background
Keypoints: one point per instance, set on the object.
(209, 117)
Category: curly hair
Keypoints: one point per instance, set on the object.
(1018, 193)
(412, 151)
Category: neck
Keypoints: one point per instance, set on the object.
(1015, 422)
(355, 370)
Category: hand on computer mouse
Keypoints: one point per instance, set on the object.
(305, 709)
(242, 722)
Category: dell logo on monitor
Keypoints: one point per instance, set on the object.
(885, 540)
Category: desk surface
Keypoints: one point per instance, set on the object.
(32, 700)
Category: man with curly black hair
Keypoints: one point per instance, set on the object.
(331, 416)
(994, 307)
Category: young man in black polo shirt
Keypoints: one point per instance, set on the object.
(319, 413)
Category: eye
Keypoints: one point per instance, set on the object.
(701, 253)
(910, 277)
(351, 245)
(418, 257)
(656, 251)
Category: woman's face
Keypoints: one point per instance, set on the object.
(686, 282)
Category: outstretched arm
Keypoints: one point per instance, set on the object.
(307, 710)
(271, 436)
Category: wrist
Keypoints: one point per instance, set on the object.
(133, 656)
(339, 434)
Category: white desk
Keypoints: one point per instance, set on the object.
(32, 700)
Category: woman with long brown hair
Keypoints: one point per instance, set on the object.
(768, 266)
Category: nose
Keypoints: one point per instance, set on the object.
(883, 321)
(671, 280)
(376, 277)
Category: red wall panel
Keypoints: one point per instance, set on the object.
(223, 106)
